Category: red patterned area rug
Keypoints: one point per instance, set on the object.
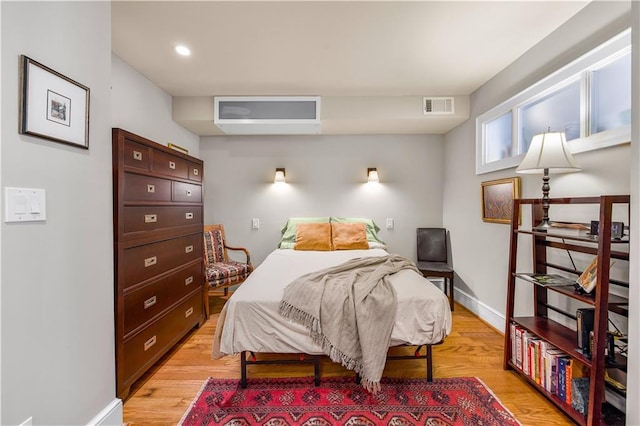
(340, 401)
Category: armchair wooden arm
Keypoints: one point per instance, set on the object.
(245, 250)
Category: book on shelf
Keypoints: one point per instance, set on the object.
(545, 364)
(532, 352)
(564, 364)
(527, 350)
(519, 334)
(514, 348)
(546, 280)
(589, 277)
(551, 367)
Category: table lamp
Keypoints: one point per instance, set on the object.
(548, 153)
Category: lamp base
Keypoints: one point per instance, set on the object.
(543, 226)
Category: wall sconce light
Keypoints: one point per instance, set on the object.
(280, 175)
(372, 175)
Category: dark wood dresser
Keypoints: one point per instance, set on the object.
(157, 219)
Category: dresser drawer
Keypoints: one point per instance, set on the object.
(195, 172)
(143, 262)
(159, 336)
(170, 165)
(150, 218)
(136, 155)
(186, 192)
(145, 303)
(145, 188)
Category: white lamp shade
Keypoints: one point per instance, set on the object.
(548, 151)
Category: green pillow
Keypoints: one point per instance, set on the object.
(370, 226)
(288, 240)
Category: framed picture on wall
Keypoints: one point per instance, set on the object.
(178, 148)
(497, 199)
(53, 106)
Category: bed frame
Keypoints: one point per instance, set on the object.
(315, 360)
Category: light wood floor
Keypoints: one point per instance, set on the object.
(473, 349)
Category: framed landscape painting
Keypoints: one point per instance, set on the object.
(497, 199)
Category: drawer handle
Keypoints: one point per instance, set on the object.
(189, 280)
(150, 218)
(188, 312)
(172, 165)
(150, 302)
(150, 343)
(137, 155)
(150, 261)
(195, 172)
(188, 249)
(151, 188)
(188, 215)
(188, 193)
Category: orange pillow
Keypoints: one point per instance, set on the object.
(313, 236)
(349, 236)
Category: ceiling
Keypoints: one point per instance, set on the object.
(371, 62)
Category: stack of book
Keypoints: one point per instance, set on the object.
(549, 367)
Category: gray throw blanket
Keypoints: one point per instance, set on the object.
(349, 310)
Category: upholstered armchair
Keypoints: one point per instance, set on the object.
(220, 271)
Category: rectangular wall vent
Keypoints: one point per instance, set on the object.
(440, 105)
(267, 115)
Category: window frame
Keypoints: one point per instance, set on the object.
(578, 70)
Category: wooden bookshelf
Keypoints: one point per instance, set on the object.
(555, 324)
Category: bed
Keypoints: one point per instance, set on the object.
(250, 320)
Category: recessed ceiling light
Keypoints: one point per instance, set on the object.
(183, 50)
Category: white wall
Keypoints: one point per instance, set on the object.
(483, 272)
(0, 231)
(633, 386)
(326, 176)
(141, 107)
(57, 276)
(480, 250)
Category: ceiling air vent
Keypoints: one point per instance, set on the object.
(441, 105)
(267, 115)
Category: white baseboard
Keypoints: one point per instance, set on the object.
(484, 312)
(111, 415)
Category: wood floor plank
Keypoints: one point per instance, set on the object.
(473, 349)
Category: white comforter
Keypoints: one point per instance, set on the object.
(250, 320)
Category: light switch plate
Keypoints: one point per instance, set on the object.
(24, 205)
(389, 223)
(255, 223)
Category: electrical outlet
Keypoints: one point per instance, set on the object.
(255, 223)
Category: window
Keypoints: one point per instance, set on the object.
(558, 111)
(499, 133)
(611, 95)
(589, 99)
